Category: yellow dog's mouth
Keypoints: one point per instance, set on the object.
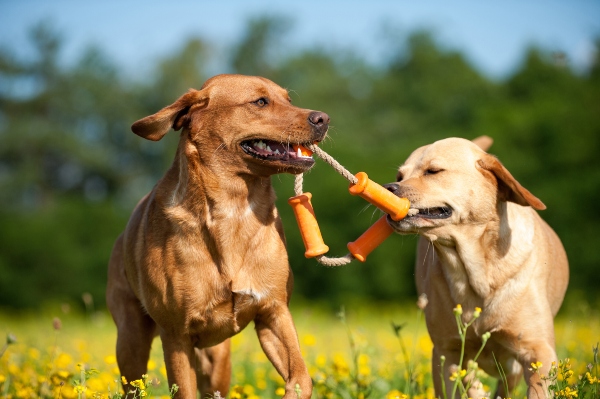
(420, 218)
(441, 212)
(270, 150)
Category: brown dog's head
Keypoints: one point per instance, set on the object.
(244, 124)
(454, 182)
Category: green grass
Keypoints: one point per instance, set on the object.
(373, 351)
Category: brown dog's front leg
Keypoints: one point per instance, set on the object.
(279, 341)
(213, 369)
(180, 362)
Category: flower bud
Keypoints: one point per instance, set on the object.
(56, 324)
(486, 336)
(10, 339)
(422, 301)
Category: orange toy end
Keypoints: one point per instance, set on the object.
(307, 223)
(361, 185)
(370, 239)
(377, 195)
(302, 150)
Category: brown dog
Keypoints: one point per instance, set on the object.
(482, 245)
(204, 253)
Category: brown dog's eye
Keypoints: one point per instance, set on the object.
(261, 102)
(433, 171)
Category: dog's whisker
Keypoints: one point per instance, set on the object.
(429, 245)
(222, 145)
(293, 91)
(364, 208)
(376, 213)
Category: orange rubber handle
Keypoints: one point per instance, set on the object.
(370, 239)
(383, 199)
(307, 223)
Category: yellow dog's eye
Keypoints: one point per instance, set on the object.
(433, 171)
(261, 102)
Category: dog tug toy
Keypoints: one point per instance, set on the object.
(360, 185)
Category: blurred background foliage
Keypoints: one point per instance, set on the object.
(71, 170)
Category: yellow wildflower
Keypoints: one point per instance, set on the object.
(458, 310)
(248, 389)
(535, 366)
(477, 312)
(236, 392)
(151, 365)
(458, 374)
(63, 361)
(395, 394)
(34, 353)
(280, 391)
(309, 340)
(321, 360)
(110, 359)
(138, 384)
(568, 373)
(80, 389)
(261, 384)
(568, 392)
(591, 379)
(364, 370)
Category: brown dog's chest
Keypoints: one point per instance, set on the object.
(229, 316)
(212, 295)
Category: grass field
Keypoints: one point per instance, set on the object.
(64, 354)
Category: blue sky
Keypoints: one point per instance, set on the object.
(493, 35)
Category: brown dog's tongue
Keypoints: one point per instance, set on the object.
(305, 151)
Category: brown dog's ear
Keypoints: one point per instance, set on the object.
(155, 126)
(483, 142)
(509, 188)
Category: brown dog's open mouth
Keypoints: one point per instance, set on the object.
(441, 212)
(270, 150)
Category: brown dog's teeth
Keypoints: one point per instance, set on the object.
(271, 150)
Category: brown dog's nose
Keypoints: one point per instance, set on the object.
(320, 123)
(318, 118)
(393, 187)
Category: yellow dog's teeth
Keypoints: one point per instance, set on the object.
(412, 211)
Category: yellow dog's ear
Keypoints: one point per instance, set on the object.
(509, 189)
(155, 126)
(483, 142)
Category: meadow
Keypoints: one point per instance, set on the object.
(358, 351)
